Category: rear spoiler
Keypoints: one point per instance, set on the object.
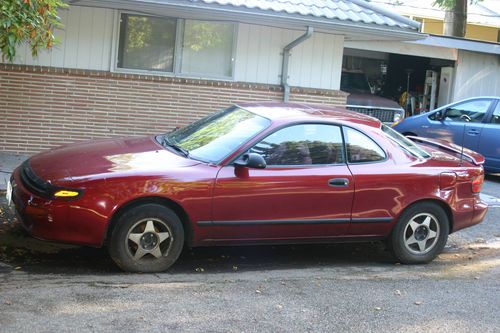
(474, 157)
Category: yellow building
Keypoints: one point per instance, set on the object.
(483, 19)
(474, 31)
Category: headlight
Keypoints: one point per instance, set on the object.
(397, 117)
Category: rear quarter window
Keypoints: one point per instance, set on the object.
(360, 148)
(404, 143)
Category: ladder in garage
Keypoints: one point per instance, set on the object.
(430, 88)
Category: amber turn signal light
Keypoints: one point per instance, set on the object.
(66, 194)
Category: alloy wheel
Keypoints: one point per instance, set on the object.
(149, 238)
(421, 233)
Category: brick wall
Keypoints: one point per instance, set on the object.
(43, 107)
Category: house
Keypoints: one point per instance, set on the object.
(135, 67)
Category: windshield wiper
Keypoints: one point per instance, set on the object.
(167, 141)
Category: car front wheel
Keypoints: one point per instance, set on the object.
(147, 238)
(420, 234)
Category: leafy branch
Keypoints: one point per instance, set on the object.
(28, 21)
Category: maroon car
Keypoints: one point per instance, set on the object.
(252, 174)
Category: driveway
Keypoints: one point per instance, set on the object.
(318, 288)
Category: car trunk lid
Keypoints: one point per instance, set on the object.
(453, 149)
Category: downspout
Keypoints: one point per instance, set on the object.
(286, 58)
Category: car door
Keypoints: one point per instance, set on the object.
(489, 143)
(375, 195)
(461, 123)
(305, 191)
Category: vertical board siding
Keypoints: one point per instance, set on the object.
(477, 74)
(85, 41)
(311, 67)
(316, 63)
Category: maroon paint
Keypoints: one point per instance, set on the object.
(115, 172)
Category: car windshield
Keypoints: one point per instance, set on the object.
(405, 143)
(212, 138)
(354, 82)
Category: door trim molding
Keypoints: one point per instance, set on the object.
(281, 222)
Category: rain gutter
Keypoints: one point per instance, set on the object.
(286, 59)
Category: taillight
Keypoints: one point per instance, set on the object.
(477, 183)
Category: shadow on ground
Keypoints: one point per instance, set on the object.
(20, 251)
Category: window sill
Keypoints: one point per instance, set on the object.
(172, 74)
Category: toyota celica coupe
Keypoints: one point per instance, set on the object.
(254, 173)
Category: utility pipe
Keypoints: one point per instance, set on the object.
(286, 58)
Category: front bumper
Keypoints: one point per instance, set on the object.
(54, 220)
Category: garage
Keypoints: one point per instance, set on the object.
(426, 74)
(417, 83)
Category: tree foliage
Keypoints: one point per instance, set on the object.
(28, 21)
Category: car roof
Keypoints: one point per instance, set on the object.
(276, 111)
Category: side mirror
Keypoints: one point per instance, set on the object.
(438, 115)
(251, 160)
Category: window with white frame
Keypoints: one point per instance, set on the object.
(177, 46)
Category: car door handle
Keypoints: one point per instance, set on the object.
(473, 132)
(338, 182)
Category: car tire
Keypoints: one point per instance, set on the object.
(147, 238)
(420, 234)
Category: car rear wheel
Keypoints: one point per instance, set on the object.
(147, 238)
(420, 234)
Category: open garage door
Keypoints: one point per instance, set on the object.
(417, 83)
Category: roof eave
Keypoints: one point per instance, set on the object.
(183, 9)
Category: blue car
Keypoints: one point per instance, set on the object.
(473, 123)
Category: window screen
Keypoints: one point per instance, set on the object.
(207, 48)
(147, 43)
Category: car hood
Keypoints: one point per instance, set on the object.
(105, 158)
(371, 100)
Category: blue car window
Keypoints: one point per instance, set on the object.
(470, 111)
(495, 119)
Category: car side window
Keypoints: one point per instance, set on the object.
(471, 111)
(305, 144)
(360, 148)
(495, 119)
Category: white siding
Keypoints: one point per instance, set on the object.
(316, 63)
(476, 74)
(86, 41)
